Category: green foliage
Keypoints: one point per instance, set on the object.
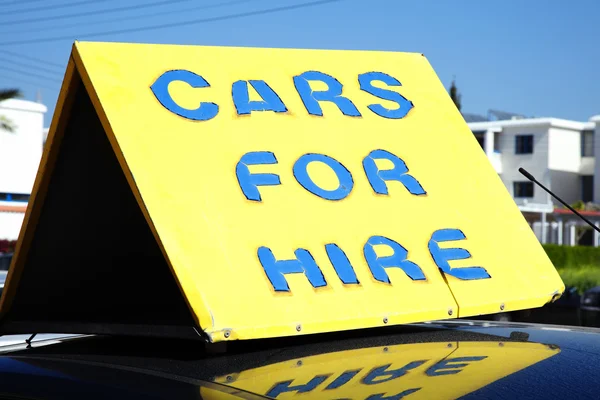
(6, 124)
(5, 94)
(583, 278)
(573, 257)
(454, 95)
(578, 266)
(579, 205)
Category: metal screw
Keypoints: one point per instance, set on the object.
(385, 349)
(299, 363)
(449, 311)
(229, 378)
(385, 320)
(449, 345)
(502, 307)
(227, 334)
(298, 327)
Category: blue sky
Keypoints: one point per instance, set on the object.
(539, 58)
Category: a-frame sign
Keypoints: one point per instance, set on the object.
(239, 193)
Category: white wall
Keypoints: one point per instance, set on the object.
(20, 154)
(10, 224)
(564, 150)
(536, 163)
(596, 120)
(21, 151)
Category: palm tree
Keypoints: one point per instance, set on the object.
(454, 95)
(5, 94)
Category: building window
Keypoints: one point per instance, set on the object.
(480, 140)
(14, 197)
(587, 188)
(523, 189)
(524, 144)
(587, 144)
(479, 135)
(497, 142)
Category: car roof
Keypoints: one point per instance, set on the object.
(549, 360)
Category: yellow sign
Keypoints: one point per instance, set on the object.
(423, 371)
(304, 191)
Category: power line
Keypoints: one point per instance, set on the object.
(54, 7)
(48, 63)
(89, 13)
(128, 18)
(21, 2)
(176, 24)
(26, 82)
(18, 71)
(26, 65)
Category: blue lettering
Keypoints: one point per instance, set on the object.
(401, 395)
(284, 387)
(333, 94)
(397, 260)
(447, 366)
(303, 264)
(381, 374)
(248, 182)
(404, 106)
(344, 177)
(241, 98)
(160, 88)
(341, 264)
(399, 173)
(442, 256)
(342, 379)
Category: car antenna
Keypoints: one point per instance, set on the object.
(532, 179)
(28, 341)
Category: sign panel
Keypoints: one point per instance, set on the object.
(304, 191)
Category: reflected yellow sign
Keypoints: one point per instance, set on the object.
(305, 191)
(415, 371)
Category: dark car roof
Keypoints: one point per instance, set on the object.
(472, 359)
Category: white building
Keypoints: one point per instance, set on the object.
(558, 153)
(20, 155)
